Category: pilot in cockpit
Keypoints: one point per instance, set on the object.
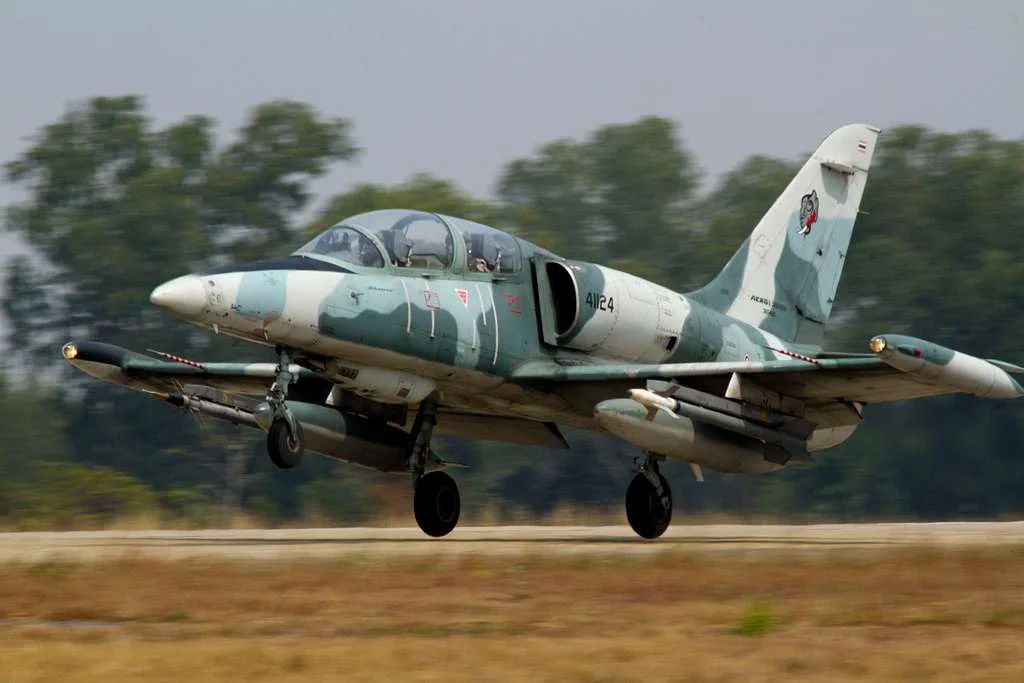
(474, 259)
(332, 241)
(368, 254)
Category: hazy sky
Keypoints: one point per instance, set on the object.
(459, 88)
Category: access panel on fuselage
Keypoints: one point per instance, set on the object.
(484, 322)
(456, 319)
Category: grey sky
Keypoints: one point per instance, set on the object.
(459, 88)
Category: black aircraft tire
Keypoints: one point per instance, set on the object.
(644, 510)
(284, 451)
(436, 504)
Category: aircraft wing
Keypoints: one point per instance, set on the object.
(169, 373)
(903, 368)
(865, 380)
(232, 391)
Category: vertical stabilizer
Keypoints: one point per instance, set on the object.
(784, 277)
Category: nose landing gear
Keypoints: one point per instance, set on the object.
(284, 446)
(285, 441)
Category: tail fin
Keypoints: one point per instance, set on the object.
(784, 277)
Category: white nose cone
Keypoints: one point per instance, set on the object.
(182, 296)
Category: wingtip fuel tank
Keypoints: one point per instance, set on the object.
(935, 364)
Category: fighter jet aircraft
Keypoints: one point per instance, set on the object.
(393, 326)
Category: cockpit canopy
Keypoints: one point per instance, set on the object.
(345, 244)
(487, 250)
(416, 239)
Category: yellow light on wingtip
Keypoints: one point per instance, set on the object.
(70, 351)
(877, 345)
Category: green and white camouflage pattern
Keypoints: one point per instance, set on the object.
(784, 278)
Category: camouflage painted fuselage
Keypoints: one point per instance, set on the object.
(470, 332)
(495, 321)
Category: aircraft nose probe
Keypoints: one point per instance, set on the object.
(184, 296)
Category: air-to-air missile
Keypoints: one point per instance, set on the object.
(937, 365)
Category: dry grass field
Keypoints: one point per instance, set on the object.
(835, 615)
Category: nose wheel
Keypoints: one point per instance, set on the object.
(649, 500)
(285, 440)
(284, 447)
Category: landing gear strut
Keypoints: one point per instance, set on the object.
(649, 499)
(436, 502)
(285, 441)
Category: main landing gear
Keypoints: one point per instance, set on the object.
(436, 502)
(649, 499)
(285, 441)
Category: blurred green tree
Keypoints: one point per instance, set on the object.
(114, 207)
(618, 197)
(421, 191)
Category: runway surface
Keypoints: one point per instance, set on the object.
(288, 544)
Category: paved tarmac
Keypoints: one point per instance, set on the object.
(288, 544)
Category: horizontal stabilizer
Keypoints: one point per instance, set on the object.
(1006, 367)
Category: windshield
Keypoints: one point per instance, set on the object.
(345, 244)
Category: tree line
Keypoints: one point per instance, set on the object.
(114, 204)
